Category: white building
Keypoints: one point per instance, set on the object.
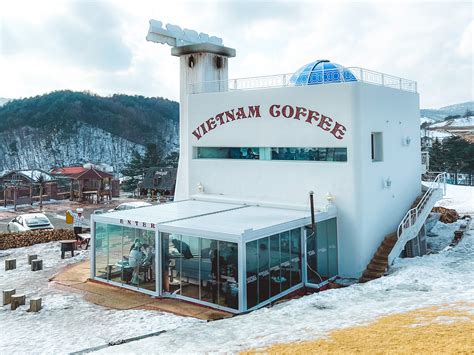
(240, 234)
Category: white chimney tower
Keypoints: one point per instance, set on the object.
(203, 68)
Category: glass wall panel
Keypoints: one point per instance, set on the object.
(200, 268)
(324, 264)
(125, 255)
(175, 263)
(263, 269)
(228, 275)
(285, 262)
(101, 250)
(143, 261)
(312, 274)
(252, 271)
(295, 236)
(332, 247)
(171, 244)
(190, 258)
(275, 268)
(115, 265)
(208, 270)
(131, 256)
(322, 250)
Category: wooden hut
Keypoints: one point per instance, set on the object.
(159, 182)
(20, 187)
(88, 184)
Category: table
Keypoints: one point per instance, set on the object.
(85, 237)
(67, 245)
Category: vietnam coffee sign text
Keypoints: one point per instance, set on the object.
(275, 111)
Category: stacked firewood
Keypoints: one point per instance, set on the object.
(447, 215)
(24, 239)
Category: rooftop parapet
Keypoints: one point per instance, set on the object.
(319, 77)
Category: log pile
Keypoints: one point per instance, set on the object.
(24, 239)
(447, 215)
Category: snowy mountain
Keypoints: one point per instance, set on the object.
(456, 122)
(426, 120)
(451, 110)
(65, 127)
(27, 148)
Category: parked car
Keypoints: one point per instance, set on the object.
(29, 221)
(130, 206)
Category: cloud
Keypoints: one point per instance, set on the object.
(101, 46)
(465, 47)
(88, 36)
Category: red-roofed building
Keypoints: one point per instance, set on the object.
(88, 183)
(68, 170)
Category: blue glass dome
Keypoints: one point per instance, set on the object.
(321, 72)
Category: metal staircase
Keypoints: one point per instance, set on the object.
(416, 217)
(409, 227)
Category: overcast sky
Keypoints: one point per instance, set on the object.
(100, 45)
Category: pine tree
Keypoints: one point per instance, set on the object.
(171, 159)
(139, 164)
(153, 156)
(133, 171)
(437, 159)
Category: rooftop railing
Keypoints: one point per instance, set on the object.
(323, 76)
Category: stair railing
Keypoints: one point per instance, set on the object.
(412, 215)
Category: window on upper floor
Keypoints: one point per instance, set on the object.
(276, 153)
(376, 142)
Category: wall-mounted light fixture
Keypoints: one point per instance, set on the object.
(329, 197)
(406, 141)
(200, 188)
(387, 183)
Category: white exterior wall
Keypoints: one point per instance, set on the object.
(396, 114)
(203, 70)
(366, 211)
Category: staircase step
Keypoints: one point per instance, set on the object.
(380, 262)
(376, 267)
(372, 274)
(389, 243)
(383, 252)
(380, 257)
(391, 237)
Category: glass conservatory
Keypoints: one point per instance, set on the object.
(232, 257)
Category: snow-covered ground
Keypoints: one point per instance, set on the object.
(460, 198)
(68, 323)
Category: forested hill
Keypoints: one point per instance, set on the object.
(66, 127)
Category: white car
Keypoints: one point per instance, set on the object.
(29, 221)
(130, 206)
